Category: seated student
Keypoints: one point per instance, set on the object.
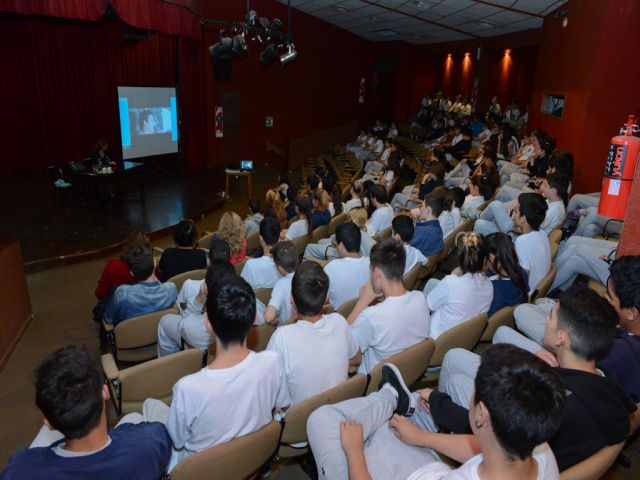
(336, 205)
(146, 296)
(480, 191)
(532, 245)
(554, 190)
(411, 198)
(461, 148)
(350, 270)
(279, 310)
(510, 282)
(427, 236)
(580, 328)
(402, 228)
(622, 292)
(379, 329)
(382, 215)
(184, 257)
(231, 230)
(245, 385)
(292, 194)
(445, 219)
(252, 222)
(261, 272)
(274, 206)
(317, 349)
(357, 197)
(320, 214)
(458, 201)
(463, 294)
(368, 437)
(303, 224)
(190, 325)
(73, 398)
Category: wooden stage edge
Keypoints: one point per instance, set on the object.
(62, 260)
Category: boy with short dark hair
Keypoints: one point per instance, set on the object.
(280, 309)
(381, 217)
(428, 235)
(402, 228)
(261, 272)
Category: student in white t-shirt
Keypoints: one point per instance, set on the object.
(261, 272)
(466, 292)
(383, 213)
(396, 323)
(238, 391)
(532, 245)
(516, 409)
(445, 219)
(317, 349)
(303, 222)
(280, 309)
(554, 190)
(351, 270)
(402, 228)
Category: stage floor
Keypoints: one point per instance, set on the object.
(49, 231)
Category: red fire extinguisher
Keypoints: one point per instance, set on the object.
(619, 171)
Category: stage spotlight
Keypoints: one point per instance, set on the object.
(289, 56)
(276, 25)
(269, 54)
(222, 49)
(239, 45)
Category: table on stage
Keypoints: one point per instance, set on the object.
(248, 174)
(91, 184)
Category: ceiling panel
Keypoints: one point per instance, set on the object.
(364, 19)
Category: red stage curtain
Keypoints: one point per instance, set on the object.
(159, 15)
(82, 10)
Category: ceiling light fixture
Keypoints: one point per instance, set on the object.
(485, 24)
(387, 33)
(564, 15)
(341, 9)
(289, 56)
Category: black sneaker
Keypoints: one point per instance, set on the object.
(406, 403)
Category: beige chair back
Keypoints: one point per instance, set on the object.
(502, 318)
(319, 233)
(465, 335)
(543, 286)
(380, 236)
(191, 275)
(411, 362)
(295, 423)
(554, 247)
(253, 240)
(335, 221)
(595, 466)
(153, 379)
(205, 240)
(555, 236)
(409, 278)
(259, 336)
(240, 265)
(597, 287)
(301, 243)
(135, 338)
(263, 294)
(346, 308)
(237, 459)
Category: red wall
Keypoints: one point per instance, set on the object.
(593, 61)
(316, 91)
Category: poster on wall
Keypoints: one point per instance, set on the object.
(219, 122)
(361, 90)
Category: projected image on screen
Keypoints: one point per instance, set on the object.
(148, 121)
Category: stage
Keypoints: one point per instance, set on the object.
(52, 233)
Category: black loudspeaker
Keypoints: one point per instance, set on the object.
(222, 69)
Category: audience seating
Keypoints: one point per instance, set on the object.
(502, 318)
(134, 340)
(411, 362)
(597, 287)
(384, 234)
(346, 308)
(301, 243)
(205, 240)
(409, 279)
(319, 233)
(239, 266)
(327, 309)
(179, 279)
(543, 286)
(294, 430)
(253, 241)
(595, 466)
(237, 459)
(153, 379)
(555, 236)
(466, 335)
(335, 221)
(259, 336)
(263, 294)
(554, 251)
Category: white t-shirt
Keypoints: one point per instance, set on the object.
(554, 216)
(297, 229)
(457, 299)
(413, 256)
(378, 147)
(354, 203)
(390, 327)
(534, 255)
(346, 276)
(260, 272)
(457, 216)
(281, 298)
(214, 406)
(471, 202)
(384, 158)
(316, 355)
(447, 223)
(380, 219)
(542, 455)
(187, 297)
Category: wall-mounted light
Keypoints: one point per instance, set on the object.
(564, 15)
(448, 55)
(507, 52)
(467, 54)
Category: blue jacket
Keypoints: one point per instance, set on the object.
(624, 361)
(427, 237)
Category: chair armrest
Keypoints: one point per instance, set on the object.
(109, 366)
(158, 250)
(108, 327)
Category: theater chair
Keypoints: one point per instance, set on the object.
(319, 233)
(556, 235)
(554, 251)
(258, 337)
(595, 466)
(263, 294)
(240, 265)
(409, 279)
(382, 235)
(466, 335)
(335, 221)
(597, 287)
(503, 317)
(205, 240)
(346, 308)
(134, 340)
(153, 379)
(237, 459)
(179, 279)
(294, 425)
(301, 243)
(543, 285)
(411, 362)
(253, 241)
